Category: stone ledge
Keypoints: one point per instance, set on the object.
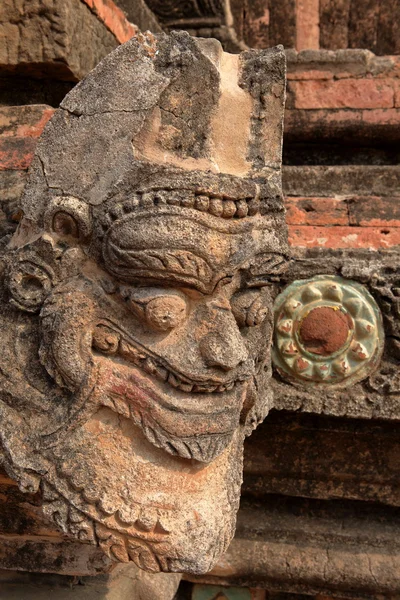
(308, 547)
(283, 456)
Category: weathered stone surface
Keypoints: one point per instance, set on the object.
(61, 39)
(137, 307)
(313, 547)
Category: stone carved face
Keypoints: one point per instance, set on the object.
(140, 283)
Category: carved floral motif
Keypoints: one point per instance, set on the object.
(328, 330)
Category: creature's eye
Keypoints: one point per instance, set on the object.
(166, 312)
(162, 309)
(250, 307)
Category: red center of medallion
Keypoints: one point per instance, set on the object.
(324, 330)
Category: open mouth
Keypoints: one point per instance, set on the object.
(163, 405)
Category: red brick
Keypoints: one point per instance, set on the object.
(374, 211)
(309, 74)
(344, 237)
(359, 124)
(16, 153)
(24, 121)
(307, 21)
(316, 211)
(383, 116)
(396, 85)
(345, 93)
(113, 18)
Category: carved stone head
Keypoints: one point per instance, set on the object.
(136, 318)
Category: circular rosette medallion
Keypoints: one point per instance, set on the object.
(328, 331)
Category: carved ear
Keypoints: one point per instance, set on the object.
(69, 217)
(29, 283)
(66, 328)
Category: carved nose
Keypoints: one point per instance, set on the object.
(223, 351)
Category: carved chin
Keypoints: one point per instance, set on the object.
(195, 426)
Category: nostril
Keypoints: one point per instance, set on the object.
(218, 352)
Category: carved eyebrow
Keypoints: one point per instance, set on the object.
(159, 264)
(265, 268)
(170, 280)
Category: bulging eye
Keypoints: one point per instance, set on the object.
(250, 308)
(166, 312)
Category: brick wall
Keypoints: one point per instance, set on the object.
(320, 24)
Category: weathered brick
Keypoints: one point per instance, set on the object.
(344, 237)
(256, 24)
(24, 121)
(61, 39)
(396, 85)
(16, 152)
(334, 18)
(374, 211)
(363, 23)
(355, 125)
(307, 24)
(113, 18)
(344, 93)
(384, 116)
(46, 555)
(284, 457)
(357, 180)
(309, 74)
(21, 514)
(388, 30)
(316, 211)
(139, 13)
(11, 185)
(280, 12)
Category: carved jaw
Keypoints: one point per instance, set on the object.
(189, 419)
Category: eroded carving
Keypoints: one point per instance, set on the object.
(137, 306)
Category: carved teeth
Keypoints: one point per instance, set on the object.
(146, 199)
(254, 207)
(173, 198)
(229, 209)
(172, 380)
(188, 200)
(162, 373)
(130, 205)
(202, 203)
(241, 208)
(216, 207)
(150, 366)
(185, 387)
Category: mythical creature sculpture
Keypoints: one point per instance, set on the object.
(136, 312)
